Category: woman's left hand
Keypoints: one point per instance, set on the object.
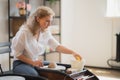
(77, 56)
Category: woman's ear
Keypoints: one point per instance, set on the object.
(37, 19)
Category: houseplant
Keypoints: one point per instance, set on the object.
(52, 1)
(23, 7)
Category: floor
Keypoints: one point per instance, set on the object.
(111, 73)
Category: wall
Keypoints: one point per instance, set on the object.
(68, 24)
(4, 31)
(86, 30)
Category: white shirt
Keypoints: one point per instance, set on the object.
(25, 43)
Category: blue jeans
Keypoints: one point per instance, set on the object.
(23, 68)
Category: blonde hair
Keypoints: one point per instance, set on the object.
(40, 12)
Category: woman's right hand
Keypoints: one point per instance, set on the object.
(38, 63)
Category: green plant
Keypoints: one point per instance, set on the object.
(52, 1)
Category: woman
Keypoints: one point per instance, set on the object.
(31, 39)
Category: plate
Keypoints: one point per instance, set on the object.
(57, 68)
(12, 78)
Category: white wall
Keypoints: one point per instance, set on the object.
(67, 23)
(4, 31)
(86, 30)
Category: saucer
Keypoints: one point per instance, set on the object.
(56, 68)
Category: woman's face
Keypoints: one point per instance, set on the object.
(44, 22)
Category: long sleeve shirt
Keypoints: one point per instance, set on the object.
(25, 43)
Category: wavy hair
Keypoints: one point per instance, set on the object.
(40, 12)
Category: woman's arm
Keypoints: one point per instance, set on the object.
(37, 63)
(65, 50)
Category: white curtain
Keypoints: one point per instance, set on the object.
(113, 8)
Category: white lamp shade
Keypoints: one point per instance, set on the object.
(113, 8)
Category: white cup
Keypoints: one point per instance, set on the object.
(78, 65)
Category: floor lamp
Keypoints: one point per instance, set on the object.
(113, 11)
